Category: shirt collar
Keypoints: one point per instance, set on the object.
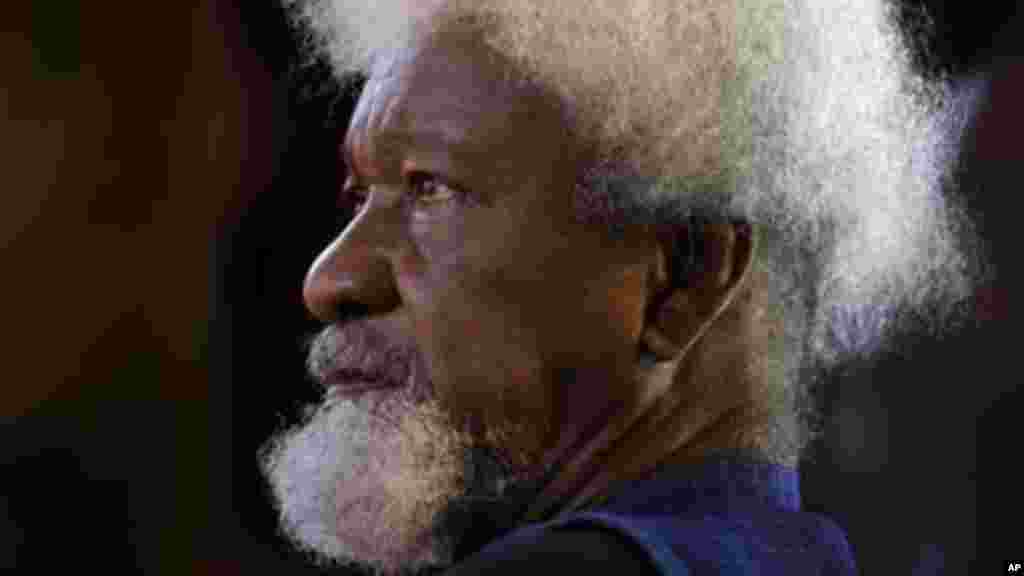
(720, 482)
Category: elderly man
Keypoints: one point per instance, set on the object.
(597, 248)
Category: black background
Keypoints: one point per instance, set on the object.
(157, 319)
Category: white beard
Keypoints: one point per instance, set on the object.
(353, 488)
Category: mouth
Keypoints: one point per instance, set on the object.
(348, 383)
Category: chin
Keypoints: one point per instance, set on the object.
(363, 480)
(389, 486)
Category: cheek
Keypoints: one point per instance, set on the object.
(603, 317)
(482, 350)
(482, 334)
(486, 316)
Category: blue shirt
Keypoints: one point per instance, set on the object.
(725, 516)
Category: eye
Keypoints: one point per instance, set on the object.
(426, 189)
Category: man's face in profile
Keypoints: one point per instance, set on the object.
(472, 313)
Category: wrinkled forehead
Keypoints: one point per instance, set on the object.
(453, 66)
(451, 84)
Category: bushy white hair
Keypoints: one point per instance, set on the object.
(805, 117)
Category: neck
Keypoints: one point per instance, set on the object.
(666, 427)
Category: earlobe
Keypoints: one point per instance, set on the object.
(686, 310)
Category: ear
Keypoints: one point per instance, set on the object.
(684, 303)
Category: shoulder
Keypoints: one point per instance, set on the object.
(537, 552)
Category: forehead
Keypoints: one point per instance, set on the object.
(450, 91)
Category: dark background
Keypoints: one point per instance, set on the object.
(169, 171)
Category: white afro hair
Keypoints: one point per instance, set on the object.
(804, 117)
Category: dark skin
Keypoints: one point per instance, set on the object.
(467, 243)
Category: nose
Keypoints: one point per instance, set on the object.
(353, 275)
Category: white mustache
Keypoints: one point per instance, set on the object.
(358, 353)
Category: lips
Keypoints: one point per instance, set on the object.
(349, 383)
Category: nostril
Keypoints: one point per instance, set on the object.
(340, 286)
(350, 311)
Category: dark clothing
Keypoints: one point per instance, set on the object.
(726, 516)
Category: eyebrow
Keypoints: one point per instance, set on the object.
(391, 140)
